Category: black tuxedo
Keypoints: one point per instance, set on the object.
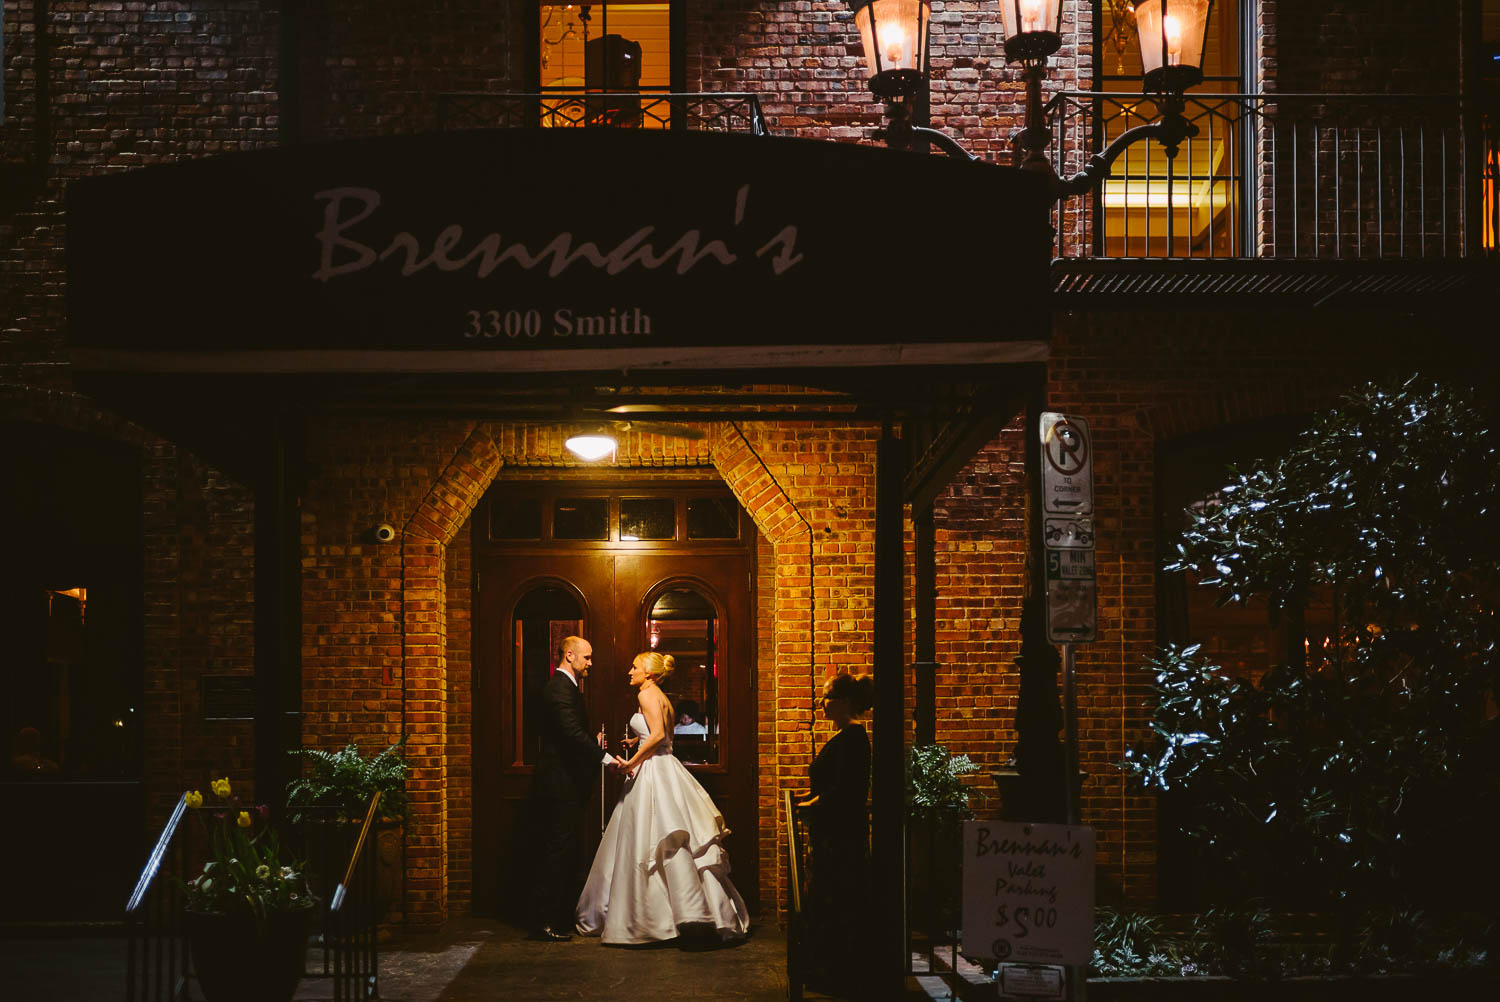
(567, 769)
(567, 765)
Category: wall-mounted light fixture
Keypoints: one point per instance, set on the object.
(591, 446)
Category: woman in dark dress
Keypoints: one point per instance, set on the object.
(838, 821)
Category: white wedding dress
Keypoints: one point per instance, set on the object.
(661, 864)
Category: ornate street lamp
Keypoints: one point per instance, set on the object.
(1033, 29)
(1171, 35)
(894, 34)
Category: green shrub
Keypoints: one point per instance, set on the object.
(345, 779)
(1339, 784)
(1128, 944)
(1236, 942)
(934, 786)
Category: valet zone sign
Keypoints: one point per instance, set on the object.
(1068, 529)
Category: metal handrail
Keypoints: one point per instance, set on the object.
(154, 923)
(500, 109)
(154, 861)
(793, 863)
(339, 892)
(796, 932)
(356, 956)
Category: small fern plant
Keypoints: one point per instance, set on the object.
(345, 779)
(934, 783)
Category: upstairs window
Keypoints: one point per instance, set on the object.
(1190, 206)
(588, 51)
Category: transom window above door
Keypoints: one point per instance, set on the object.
(649, 516)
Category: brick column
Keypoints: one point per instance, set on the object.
(424, 622)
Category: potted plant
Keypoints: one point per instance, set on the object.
(247, 910)
(344, 781)
(935, 787)
(938, 802)
(329, 801)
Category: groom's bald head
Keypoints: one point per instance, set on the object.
(577, 654)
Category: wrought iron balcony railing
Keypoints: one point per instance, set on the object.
(1281, 176)
(571, 108)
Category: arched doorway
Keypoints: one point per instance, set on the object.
(631, 567)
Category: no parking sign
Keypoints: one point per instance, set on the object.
(1068, 529)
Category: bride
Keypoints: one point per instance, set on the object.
(661, 864)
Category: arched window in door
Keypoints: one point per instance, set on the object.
(544, 617)
(684, 623)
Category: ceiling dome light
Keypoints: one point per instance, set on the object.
(590, 446)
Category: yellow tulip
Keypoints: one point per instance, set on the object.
(244, 820)
(194, 798)
(220, 787)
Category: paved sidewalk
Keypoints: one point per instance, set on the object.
(476, 960)
(472, 960)
(76, 968)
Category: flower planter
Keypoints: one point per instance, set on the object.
(238, 958)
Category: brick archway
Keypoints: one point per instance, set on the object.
(787, 729)
(786, 711)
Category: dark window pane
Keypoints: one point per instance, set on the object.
(683, 623)
(648, 518)
(713, 518)
(580, 518)
(516, 518)
(543, 618)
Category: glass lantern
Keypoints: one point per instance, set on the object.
(1033, 29)
(1172, 34)
(894, 33)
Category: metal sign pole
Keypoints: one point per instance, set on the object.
(1077, 975)
(1070, 730)
(1068, 540)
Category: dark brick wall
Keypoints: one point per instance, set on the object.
(384, 63)
(1364, 46)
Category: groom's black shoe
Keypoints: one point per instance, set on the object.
(552, 935)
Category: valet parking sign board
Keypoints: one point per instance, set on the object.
(1029, 898)
(1068, 529)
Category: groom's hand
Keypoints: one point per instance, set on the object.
(603, 743)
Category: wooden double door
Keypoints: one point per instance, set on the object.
(623, 601)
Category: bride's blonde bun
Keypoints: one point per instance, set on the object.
(656, 666)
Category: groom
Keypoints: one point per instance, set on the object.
(566, 770)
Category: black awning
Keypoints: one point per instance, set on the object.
(525, 252)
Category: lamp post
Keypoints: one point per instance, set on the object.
(894, 36)
(1171, 35)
